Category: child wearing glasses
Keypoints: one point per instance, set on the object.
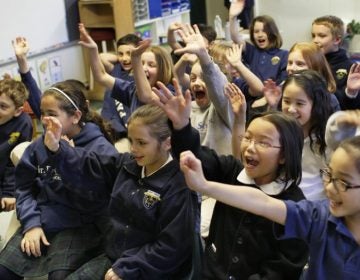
(306, 99)
(330, 227)
(241, 245)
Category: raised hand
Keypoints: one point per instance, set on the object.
(177, 107)
(21, 46)
(193, 39)
(191, 167)
(85, 39)
(236, 7)
(272, 93)
(30, 244)
(140, 49)
(53, 130)
(237, 100)
(353, 81)
(234, 55)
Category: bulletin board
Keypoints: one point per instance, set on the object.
(42, 22)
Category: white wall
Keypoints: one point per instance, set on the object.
(71, 65)
(294, 17)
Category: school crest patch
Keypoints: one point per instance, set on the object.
(275, 60)
(14, 136)
(341, 73)
(150, 199)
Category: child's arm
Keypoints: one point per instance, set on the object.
(21, 48)
(108, 60)
(238, 105)
(249, 199)
(143, 88)
(97, 67)
(171, 38)
(234, 57)
(180, 67)
(236, 7)
(214, 79)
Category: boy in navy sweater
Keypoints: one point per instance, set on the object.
(15, 127)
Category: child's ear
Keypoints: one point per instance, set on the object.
(77, 117)
(338, 41)
(18, 111)
(167, 144)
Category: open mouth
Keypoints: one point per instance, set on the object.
(199, 94)
(250, 162)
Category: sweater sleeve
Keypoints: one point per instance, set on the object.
(215, 82)
(34, 92)
(26, 206)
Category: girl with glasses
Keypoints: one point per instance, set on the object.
(330, 227)
(241, 245)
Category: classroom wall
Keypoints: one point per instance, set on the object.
(63, 63)
(294, 17)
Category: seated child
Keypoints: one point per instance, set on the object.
(15, 127)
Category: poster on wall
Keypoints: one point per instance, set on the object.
(43, 70)
(55, 69)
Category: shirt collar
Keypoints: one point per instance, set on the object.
(170, 158)
(273, 188)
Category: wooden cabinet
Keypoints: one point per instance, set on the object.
(116, 14)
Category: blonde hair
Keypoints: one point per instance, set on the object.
(335, 24)
(164, 64)
(316, 60)
(15, 90)
(155, 118)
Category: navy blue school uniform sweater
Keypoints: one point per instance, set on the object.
(113, 110)
(153, 218)
(34, 92)
(15, 131)
(241, 245)
(266, 64)
(340, 66)
(45, 200)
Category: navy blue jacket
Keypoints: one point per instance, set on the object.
(340, 66)
(15, 131)
(112, 109)
(149, 238)
(45, 200)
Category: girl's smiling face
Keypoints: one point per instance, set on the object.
(261, 163)
(296, 62)
(146, 149)
(344, 203)
(260, 37)
(150, 67)
(296, 103)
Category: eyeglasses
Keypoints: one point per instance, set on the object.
(258, 144)
(339, 185)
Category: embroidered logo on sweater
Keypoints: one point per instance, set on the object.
(341, 73)
(14, 136)
(150, 198)
(275, 60)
